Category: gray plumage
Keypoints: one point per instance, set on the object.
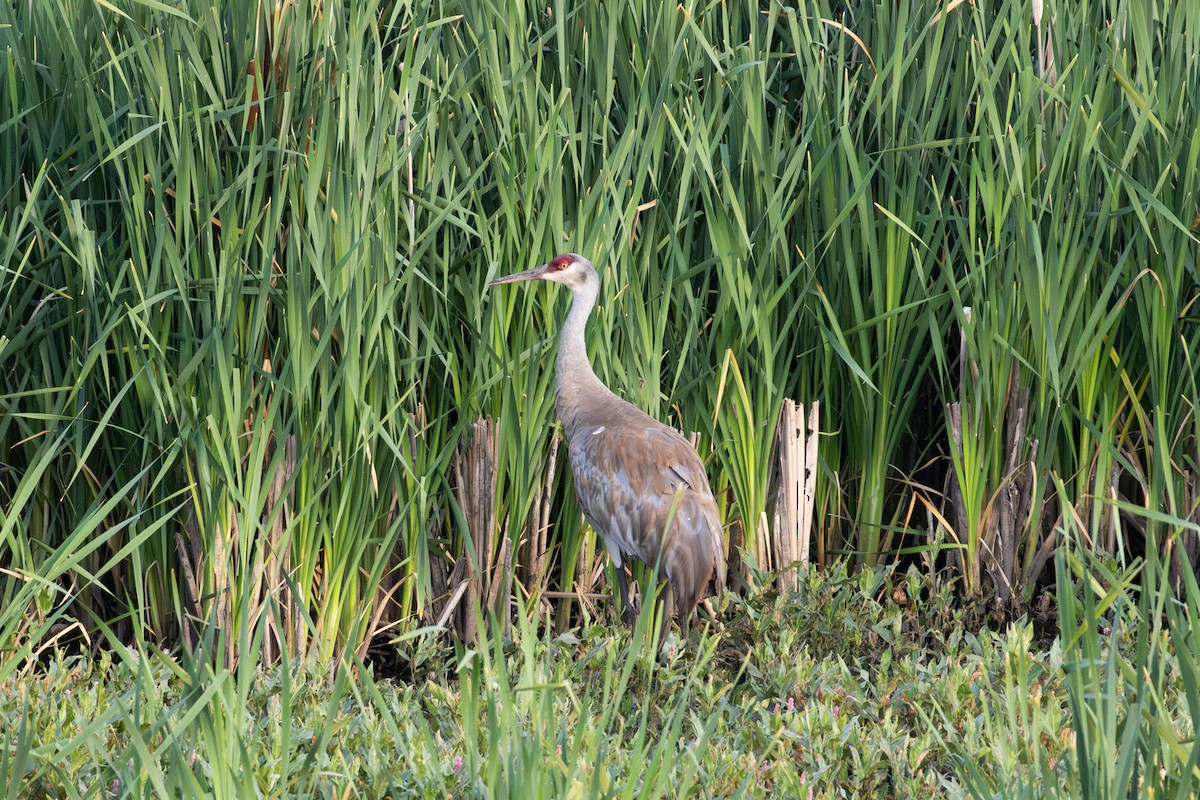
(633, 474)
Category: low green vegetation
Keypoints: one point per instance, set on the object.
(869, 685)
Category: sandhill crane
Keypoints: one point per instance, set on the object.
(640, 484)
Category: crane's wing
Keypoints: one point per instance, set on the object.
(632, 479)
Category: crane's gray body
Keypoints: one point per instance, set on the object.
(640, 484)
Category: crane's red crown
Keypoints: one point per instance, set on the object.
(561, 262)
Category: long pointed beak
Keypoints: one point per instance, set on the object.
(527, 275)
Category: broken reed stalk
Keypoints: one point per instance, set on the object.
(993, 566)
(955, 511)
(186, 550)
(475, 485)
(281, 631)
(500, 581)
(1002, 533)
(796, 451)
(535, 549)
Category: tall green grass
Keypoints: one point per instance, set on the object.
(245, 329)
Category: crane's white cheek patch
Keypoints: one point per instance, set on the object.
(598, 431)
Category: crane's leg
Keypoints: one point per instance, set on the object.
(627, 615)
(668, 597)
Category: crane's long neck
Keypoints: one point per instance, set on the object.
(576, 382)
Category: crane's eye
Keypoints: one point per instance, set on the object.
(561, 263)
